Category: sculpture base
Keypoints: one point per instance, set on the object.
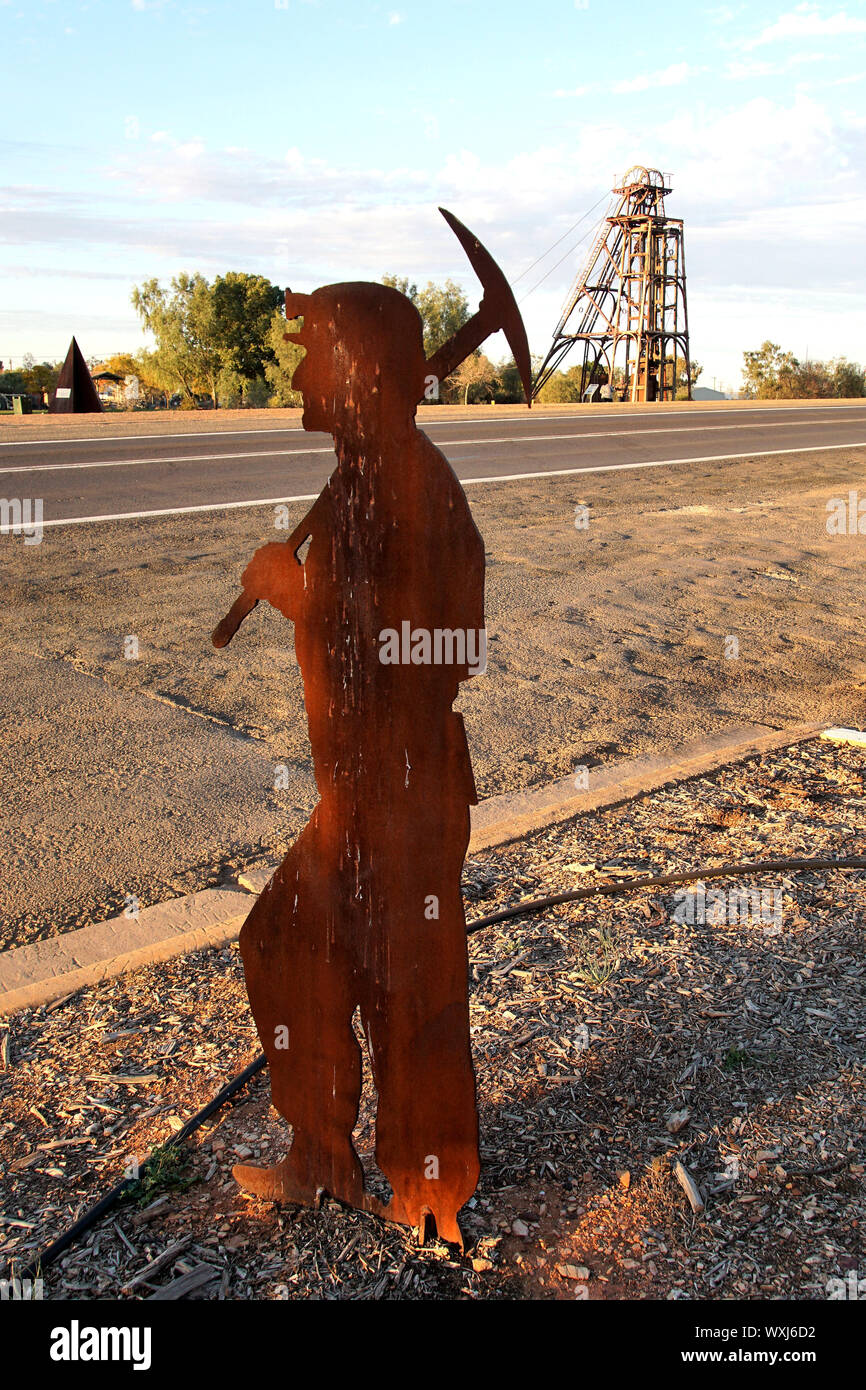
(279, 1184)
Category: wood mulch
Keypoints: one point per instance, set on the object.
(624, 1055)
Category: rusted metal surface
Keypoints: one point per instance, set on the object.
(627, 306)
(366, 911)
(75, 392)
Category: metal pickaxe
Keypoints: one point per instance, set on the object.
(497, 312)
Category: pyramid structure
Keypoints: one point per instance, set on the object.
(75, 393)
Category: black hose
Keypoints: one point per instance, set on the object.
(764, 866)
(92, 1215)
(520, 909)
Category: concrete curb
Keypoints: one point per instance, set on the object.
(48, 970)
(836, 735)
(501, 819)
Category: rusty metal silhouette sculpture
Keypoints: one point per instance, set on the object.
(75, 392)
(384, 581)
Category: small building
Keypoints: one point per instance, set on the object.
(110, 387)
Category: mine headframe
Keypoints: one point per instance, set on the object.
(627, 306)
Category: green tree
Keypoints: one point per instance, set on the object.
(675, 375)
(13, 383)
(769, 373)
(243, 308)
(42, 377)
(189, 344)
(155, 383)
(121, 363)
(476, 370)
(562, 388)
(286, 357)
(849, 378)
(508, 388)
(443, 308)
(813, 380)
(401, 283)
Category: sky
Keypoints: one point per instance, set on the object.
(312, 141)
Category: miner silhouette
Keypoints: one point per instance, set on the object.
(384, 581)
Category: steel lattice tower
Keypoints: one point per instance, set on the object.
(628, 304)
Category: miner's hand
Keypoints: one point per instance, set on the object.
(243, 604)
(275, 574)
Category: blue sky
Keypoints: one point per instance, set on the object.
(311, 141)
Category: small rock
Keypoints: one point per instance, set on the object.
(242, 1150)
(519, 1228)
(624, 1179)
(481, 1265)
(678, 1120)
(689, 1186)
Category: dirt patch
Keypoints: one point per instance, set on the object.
(611, 1038)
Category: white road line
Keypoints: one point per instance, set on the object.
(466, 482)
(123, 438)
(175, 458)
(658, 463)
(446, 443)
(173, 511)
(437, 424)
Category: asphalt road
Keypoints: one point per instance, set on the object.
(170, 474)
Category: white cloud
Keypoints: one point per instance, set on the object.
(748, 69)
(723, 14)
(773, 214)
(395, 18)
(807, 22)
(672, 76)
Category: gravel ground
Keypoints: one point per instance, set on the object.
(611, 1039)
